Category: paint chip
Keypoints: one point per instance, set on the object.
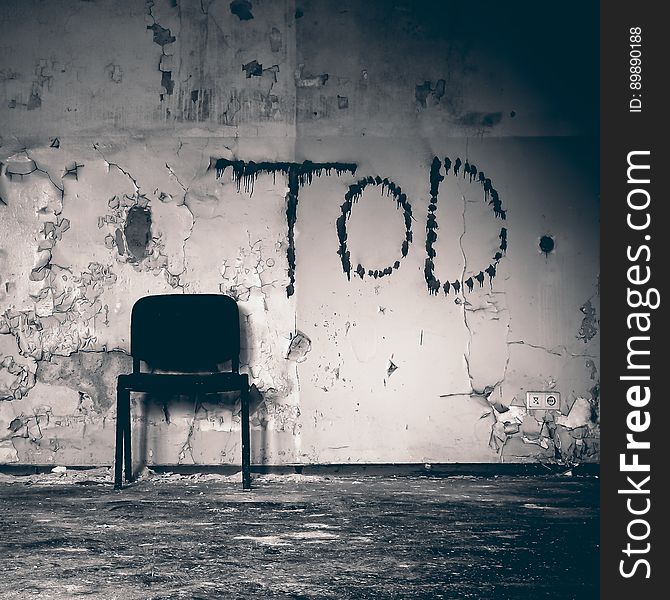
(253, 69)
(299, 347)
(392, 368)
(579, 415)
(242, 9)
(162, 36)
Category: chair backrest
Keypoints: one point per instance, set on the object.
(185, 332)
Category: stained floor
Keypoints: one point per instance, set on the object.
(300, 537)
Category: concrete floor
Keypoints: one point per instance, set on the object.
(297, 536)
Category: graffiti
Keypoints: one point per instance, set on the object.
(245, 174)
(353, 195)
(490, 195)
(431, 229)
(298, 175)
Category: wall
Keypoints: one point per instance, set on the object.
(122, 130)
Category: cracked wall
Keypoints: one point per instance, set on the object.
(462, 360)
(382, 218)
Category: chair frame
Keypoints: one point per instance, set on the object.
(212, 382)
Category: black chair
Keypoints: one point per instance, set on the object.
(189, 335)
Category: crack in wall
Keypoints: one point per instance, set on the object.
(30, 168)
(187, 446)
(77, 298)
(70, 313)
(29, 426)
(174, 278)
(556, 351)
(510, 427)
(15, 379)
(52, 232)
(566, 438)
(43, 78)
(205, 11)
(21, 164)
(466, 354)
(71, 395)
(65, 307)
(150, 255)
(242, 278)
(109, 164)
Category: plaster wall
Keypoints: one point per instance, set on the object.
(118, 121)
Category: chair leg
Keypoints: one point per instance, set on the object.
(246, 451)
(120, 423)
(127, 445)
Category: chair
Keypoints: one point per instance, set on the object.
(189, 335)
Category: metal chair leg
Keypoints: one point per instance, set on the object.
(118, 457)
(246, 451)
(127, 444)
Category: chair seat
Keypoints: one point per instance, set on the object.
(176, 383)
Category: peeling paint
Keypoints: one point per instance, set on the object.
(589, 327)
(579, 415)
(427, 93)
(242, 9)
(298, 175)
(306, 80)
(253, 69)
(103, 202)
(163, 37)
(299, 347)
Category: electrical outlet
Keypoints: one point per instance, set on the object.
(543, 400)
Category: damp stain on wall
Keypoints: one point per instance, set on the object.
(137, 231)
